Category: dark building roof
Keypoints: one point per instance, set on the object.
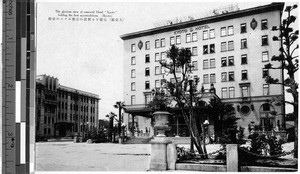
(221, 17)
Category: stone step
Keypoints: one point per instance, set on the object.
(136, 140)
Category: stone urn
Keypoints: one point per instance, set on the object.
(161, 122)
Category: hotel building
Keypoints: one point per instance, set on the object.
(229, 50)
(63, 111)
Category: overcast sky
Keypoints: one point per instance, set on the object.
(88, 55)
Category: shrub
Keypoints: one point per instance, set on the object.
(184, 154)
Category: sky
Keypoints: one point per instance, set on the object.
(88, 55)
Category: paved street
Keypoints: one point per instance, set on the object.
(69, 156)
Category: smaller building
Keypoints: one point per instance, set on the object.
(62, 111)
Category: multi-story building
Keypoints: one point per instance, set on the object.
(62, 111)
(229, 50)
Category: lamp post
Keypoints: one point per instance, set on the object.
(205, 126)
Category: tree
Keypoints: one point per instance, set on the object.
(160, 101)
(119, 105)
(111, 117)
(178, 64)
(219, 112)
(289, 63)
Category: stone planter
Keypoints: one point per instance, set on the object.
(161, 122)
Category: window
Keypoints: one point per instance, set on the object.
(212, 78)
(244, 75)
(188, 37)
(147, 98)
(133, 100)
(266, 89)
(265, 56)
(264, 40)
(243, 28)
(147, 58)
(224, 92)
(194, 65)
(147, 71)
(231, 76)
(223, 61)
(265, 72)
(244, 59)
(157, 70)
(133, 86)
(245, 91)
(172, 40)
(133, 61)
(205, 64)
(223, 31)
(230, 61)
(224, 76)
(194, 37)
(212, 33)
(231, 92)
(133, 73)
(147, 47)
(132, 47)
(212, 48)
(157, 83)
(194, 51)
(230, 46)
(205, 49)
(205, 35)
(163, 55)
(172, 80)
(162, 42)
(178, 40)
(177, 69)
(147, 85)
(230, 30)
(243, 43)
(157, 58)
(212, 63)
(223, 46)
(157, 43)
(264, 24)
(205, 78)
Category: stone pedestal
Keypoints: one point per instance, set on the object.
(171, 156)
(232, 158)
(158, 160)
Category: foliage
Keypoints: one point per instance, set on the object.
(289, 62)
(229, 130)
(184, 154)
(160, 100)
(218, 110)
(259, 142)
(95, 136)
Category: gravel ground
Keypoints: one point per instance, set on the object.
(69, 156)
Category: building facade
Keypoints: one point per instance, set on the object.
(63, 111)
(229, 50)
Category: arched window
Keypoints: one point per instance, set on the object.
(267, 120)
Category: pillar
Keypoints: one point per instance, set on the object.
(132, 128)
(232, 157)
(158, 159)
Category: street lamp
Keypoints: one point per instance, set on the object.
(205, 127)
